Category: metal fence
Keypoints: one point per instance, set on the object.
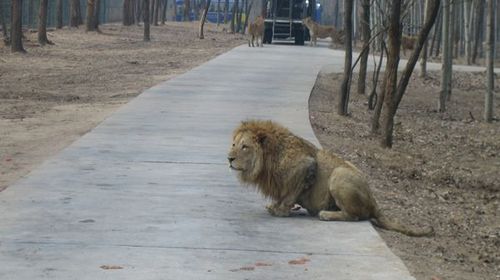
(109, 11)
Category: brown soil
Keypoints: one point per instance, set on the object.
(444, 170)
(52, 95)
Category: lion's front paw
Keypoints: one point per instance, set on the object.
(324, 216)
(278, 211)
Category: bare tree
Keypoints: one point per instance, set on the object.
(468, 29)
(490, 57)
(156, 12)
(128, 15)
(345, 86)
(478, 28)
(76, 14)
(226, 10)
(90, 21)
(436, 37)
(233, 17)
(391, 73)
(204, 18)
(6, 38)
(423, 60)
(164, 11)
(248, 9)
(446, 59)
(218, 13)
(97, 11)
(59, 14)
(42, 23)
(16, 31)
(394, 94)
(240, 14)
(147, 36)
(365, 31)
(138, 10)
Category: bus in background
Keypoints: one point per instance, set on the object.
(284, 20)
(212, 12)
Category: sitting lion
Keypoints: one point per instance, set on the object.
(323, 31)
(291, 170)
(256, 31)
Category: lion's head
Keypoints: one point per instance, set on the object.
(246, 155)
(308, 22)
(268, 156)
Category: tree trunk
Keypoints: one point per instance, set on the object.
(164, 11)
(6, 38)
(76, 14)
(433, 8)
(446, 59)
(478, 28)
(218, 13)
(157, 12)
(90, 22)
(42, 23)
(145, 15)
(455, 26)
(97, 11)
(16, 31)
(240, 13)
(436, 35)
(468, 29)
(59, 14)
(226, 8)
(440, 34)
(345, 86)
(233, 17)
(139, 11)
(490, 74)
(423, 61)
(247, 13)
(204, 18)
(365, 30)
(372, 99)
(128, 17)
(391, 74)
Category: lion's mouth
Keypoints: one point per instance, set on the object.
(234, 168)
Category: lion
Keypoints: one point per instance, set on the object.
(323, 31)
(292, 171)
(408, 43)
(256, 31)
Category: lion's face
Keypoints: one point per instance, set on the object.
(307, 21)
(245, 156)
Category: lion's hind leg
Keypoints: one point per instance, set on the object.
(351, 194)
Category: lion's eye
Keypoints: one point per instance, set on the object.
(234, 145)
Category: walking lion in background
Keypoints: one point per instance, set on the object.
(256, 32)
(323, 31)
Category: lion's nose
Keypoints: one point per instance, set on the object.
(230, 159)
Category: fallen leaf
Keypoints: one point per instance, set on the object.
(299, 261)
(111, 267)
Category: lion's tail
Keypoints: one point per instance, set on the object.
(381, 221)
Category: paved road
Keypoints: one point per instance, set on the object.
(148, 191)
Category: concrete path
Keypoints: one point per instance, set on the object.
(148, 192)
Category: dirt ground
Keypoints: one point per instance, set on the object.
(52, 95)
(444, 171)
